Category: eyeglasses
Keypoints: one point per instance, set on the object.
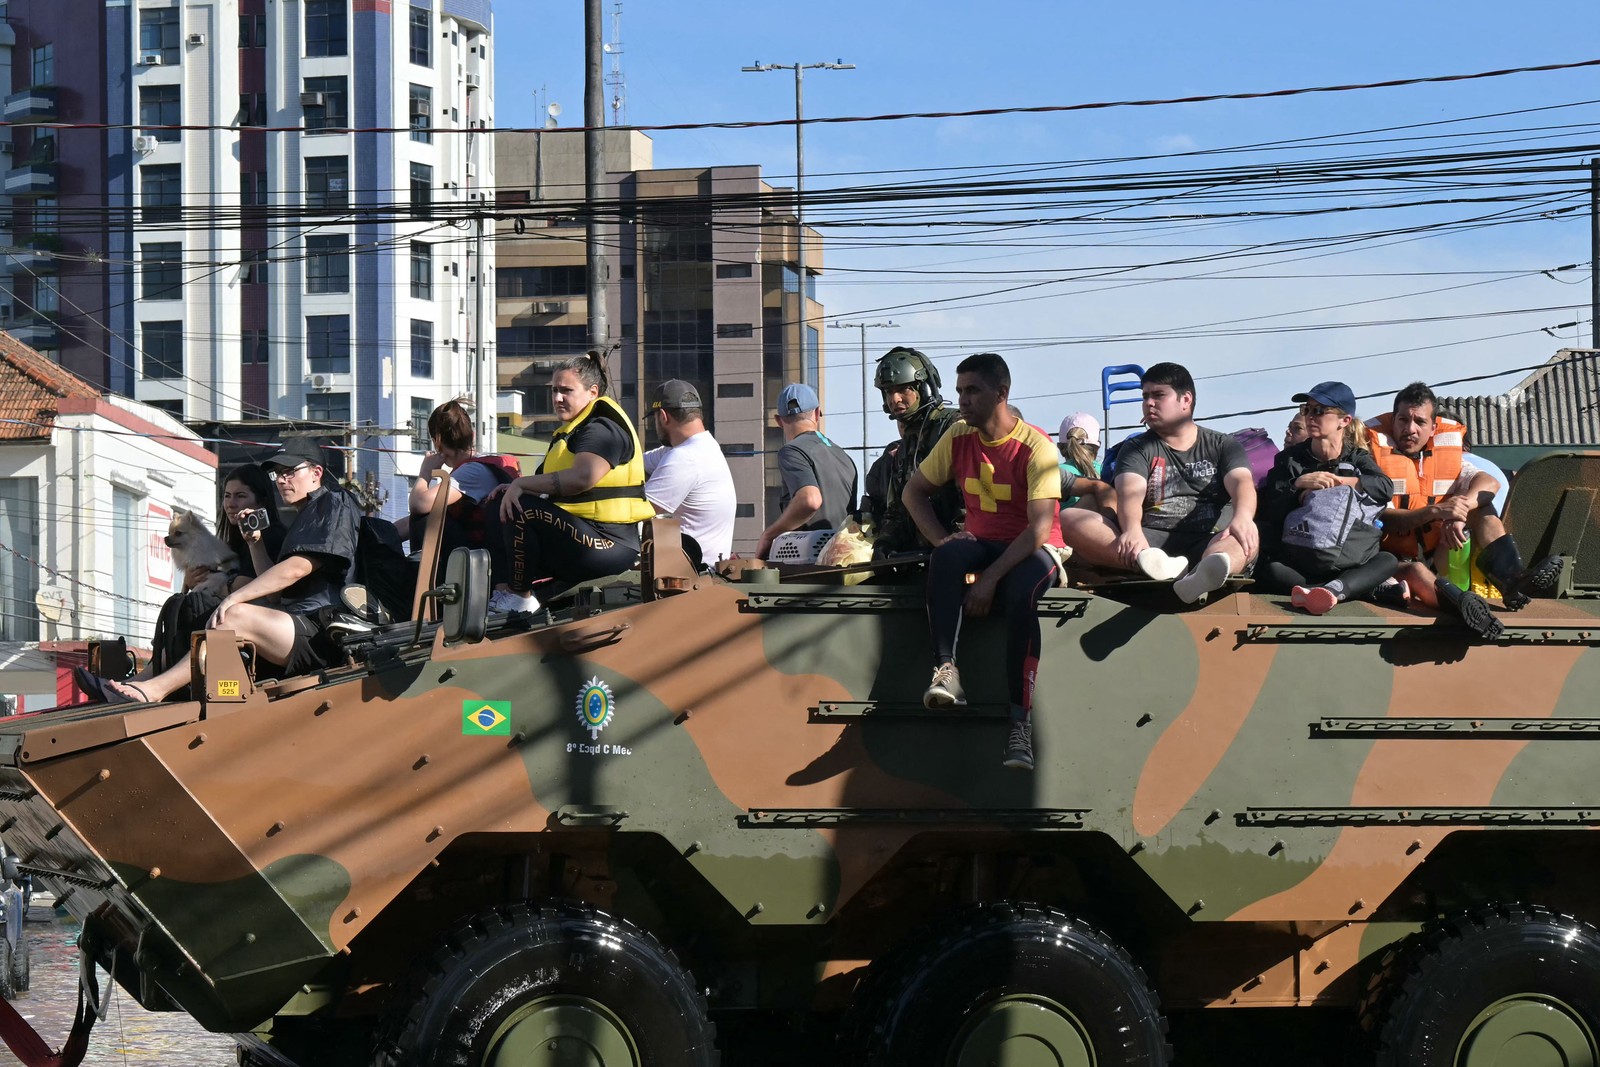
(281, 475)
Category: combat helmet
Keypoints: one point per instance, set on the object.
(900, 367)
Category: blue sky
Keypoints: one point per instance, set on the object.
(682, 64)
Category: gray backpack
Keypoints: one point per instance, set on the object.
(1334, 530)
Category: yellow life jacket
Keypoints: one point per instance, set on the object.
(619, 496)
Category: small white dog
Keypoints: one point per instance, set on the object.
(195, 546)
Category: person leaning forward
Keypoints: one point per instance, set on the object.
(1006, 470)
(313, 565)
(909, 383)
(1440, 502)
(819, 477)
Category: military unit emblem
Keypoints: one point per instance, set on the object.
(596, 706)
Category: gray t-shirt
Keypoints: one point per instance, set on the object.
(812, 459)
(1186, 491)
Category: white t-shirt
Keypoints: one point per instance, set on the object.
(691, 483)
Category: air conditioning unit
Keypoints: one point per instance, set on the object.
(312, 100)
(145, 143)
(150, 59)
(474, 83)
(551, 307)
(196, 39)
(319, 383)
(6, 148)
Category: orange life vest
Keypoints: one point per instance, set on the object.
(1418, 481)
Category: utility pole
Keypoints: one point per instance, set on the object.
(594, 168)
(799, 171)
(866, 383)
(1594, 253)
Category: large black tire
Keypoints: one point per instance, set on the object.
(555, 983)
(21, 962)
(7, 990)
(1506, 984)
(1009, 981)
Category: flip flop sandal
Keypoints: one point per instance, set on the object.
(114, 697)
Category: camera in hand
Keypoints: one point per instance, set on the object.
(254, 521)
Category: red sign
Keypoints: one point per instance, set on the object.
(158, 557)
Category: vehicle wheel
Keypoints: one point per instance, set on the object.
(1507, 984)
(1017, 984)
(549, 986)
(7, 990)
(21, 963)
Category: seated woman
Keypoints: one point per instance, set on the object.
(1081, 479)
(578, 518)
(1334, 455)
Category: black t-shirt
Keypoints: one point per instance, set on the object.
(271, 539)
(608, 439)
(325, 532)
(812, 459)
(1186, 490)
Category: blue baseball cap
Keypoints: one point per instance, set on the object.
(798, 398)
(1330, 395)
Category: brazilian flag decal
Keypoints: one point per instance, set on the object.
(491, 717)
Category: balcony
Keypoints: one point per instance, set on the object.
(37, 254)
(37, 104)
(36, 331)
(32, 179)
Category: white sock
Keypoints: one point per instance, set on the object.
(1160, 566)
(1209, 575)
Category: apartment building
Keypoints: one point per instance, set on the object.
(220, 241)
(701, 284)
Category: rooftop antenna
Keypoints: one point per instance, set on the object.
(615, 82)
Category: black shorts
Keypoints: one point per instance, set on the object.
(313, 648)
(1190, 543)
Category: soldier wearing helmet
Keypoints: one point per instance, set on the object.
(909, 383)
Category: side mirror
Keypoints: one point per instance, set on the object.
(465, 595)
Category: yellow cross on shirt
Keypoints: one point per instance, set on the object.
(984, 488)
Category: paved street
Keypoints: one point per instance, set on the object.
(128, 1034)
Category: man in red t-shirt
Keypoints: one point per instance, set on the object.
(1007, 472)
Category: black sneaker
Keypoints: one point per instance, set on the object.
(1392, 594)
(1019, 746)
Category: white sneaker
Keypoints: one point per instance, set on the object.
(1209, 575)
(504, 600)
(1160, 566)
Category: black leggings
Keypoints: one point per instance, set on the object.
(1016, 597)
(558, 550)
(1358, 582)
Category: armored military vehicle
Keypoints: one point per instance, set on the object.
(684, 804)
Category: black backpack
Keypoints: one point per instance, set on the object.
(180, 617)
(384, 568)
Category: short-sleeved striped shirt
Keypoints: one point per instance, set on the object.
(998, 478)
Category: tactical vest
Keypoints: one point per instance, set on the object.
(619, 496)
(1418, 482)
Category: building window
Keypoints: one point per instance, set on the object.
(252, 31)
(421, 114)
(422, 348)
(253, 347)
(328, 182)
(324, 103)
(328, 343)
(171, 407)
(327, 28)
(158, 34)
(422, 36)
(540, 342)
(421, 270)
(46, 297)
(127, 539)
(44, 65)
(733, 390)
(744, 511)
(161, 270)
(328, 407)
(735, 329)
(162, 346)
(46, 215)
(253, 190)
(19, 529)
(811, 373)
(159, 105)
(252, 109)
(733, 270)
(739, 448)
(421, 191)
(160, 191)
(253, 264)
(328, 263)
(421, 408)
(514, 282)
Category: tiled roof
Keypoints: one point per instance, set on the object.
(1558, 404)
(30, 385)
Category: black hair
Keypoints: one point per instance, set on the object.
(1414, 396)
(255, 479)
(990, 367)
(1175, 375)
(590, 369)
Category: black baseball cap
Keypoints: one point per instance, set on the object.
(675, 394)
(295, 451)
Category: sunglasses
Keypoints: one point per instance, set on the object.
(1316, 411)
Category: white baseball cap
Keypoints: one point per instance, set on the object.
(1090, 425)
